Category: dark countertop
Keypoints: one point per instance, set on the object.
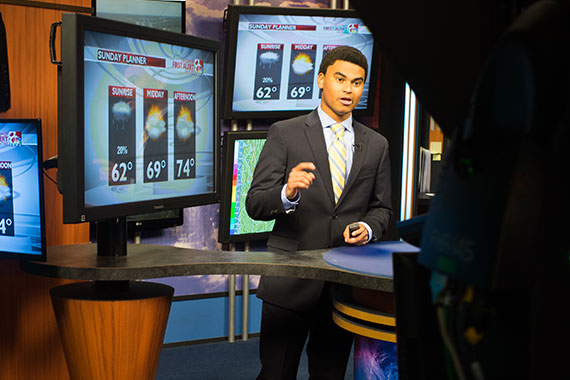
(144, 261)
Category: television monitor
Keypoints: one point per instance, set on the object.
(138, 116)
(273, 56)
(22, 217)
(161, 14)
(241, 150)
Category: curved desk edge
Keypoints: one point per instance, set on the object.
(145, 261)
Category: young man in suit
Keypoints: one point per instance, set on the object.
(315, 182)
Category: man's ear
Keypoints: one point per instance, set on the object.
(321, 80)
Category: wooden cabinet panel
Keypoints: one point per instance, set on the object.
(30, 347)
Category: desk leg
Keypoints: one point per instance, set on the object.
(112, 330)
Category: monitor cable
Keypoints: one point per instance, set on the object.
(50, 163)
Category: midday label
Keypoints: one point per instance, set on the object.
(155, 135)
(122, 135)
(6, 199)
(184, 135)
(268, 71)
(301, 71)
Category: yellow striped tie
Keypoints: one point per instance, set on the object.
(337, 160)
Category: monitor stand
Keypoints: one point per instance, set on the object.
(112, 237)
(115, 328)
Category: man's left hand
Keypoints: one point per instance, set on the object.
(359, 237)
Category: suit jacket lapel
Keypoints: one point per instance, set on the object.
(316, 139)
(360, 145)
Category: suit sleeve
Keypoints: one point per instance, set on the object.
(263, 200)
(380, 204)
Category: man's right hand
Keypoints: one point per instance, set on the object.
(301, 177)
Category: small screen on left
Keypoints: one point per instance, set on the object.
(21, 190)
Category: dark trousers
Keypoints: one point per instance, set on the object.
(284, 333)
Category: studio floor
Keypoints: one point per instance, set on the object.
(220, 361)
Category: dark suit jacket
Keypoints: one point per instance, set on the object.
(316, 222)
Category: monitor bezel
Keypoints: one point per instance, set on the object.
(231, 20)
(228, 144)
(71, 128)
(156, 221)
(41, 194)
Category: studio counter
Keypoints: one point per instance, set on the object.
(113, 327)
(80, 262)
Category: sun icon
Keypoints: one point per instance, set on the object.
(155, 124)
(302, 64)
(184, 124)
(4, 189)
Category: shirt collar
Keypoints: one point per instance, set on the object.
(327, 121)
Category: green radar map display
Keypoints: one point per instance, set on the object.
(246, 154)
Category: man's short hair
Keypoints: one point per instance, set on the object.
(344, 53)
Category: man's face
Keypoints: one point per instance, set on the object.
(342, 86)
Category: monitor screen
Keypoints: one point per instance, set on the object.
(138, 119)
(164, 15)
(241, 150)
(273, 56)
(22, 226)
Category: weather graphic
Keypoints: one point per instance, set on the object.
(268, 71)
(156, 139)
(155, 125)
(5, 191)
(121, 113)
(268, 58)
(122, 129)
(302, 72)
(302, 64)
(184, 124)
(185, 136)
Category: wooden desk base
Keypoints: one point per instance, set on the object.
(112, 330)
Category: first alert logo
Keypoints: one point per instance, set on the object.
(352, 29)
(199, 66)
(194, 66)
(12, 138)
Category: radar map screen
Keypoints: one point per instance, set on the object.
(246, 154)
(241, 153)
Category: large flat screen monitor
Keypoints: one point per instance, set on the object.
(22, 223)
(241, 150)
(273, 56)
(158, 14)
(138, 119)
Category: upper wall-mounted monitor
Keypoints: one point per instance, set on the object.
(273, 56)
(138, 116)
(22, 218)
(161, 14)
